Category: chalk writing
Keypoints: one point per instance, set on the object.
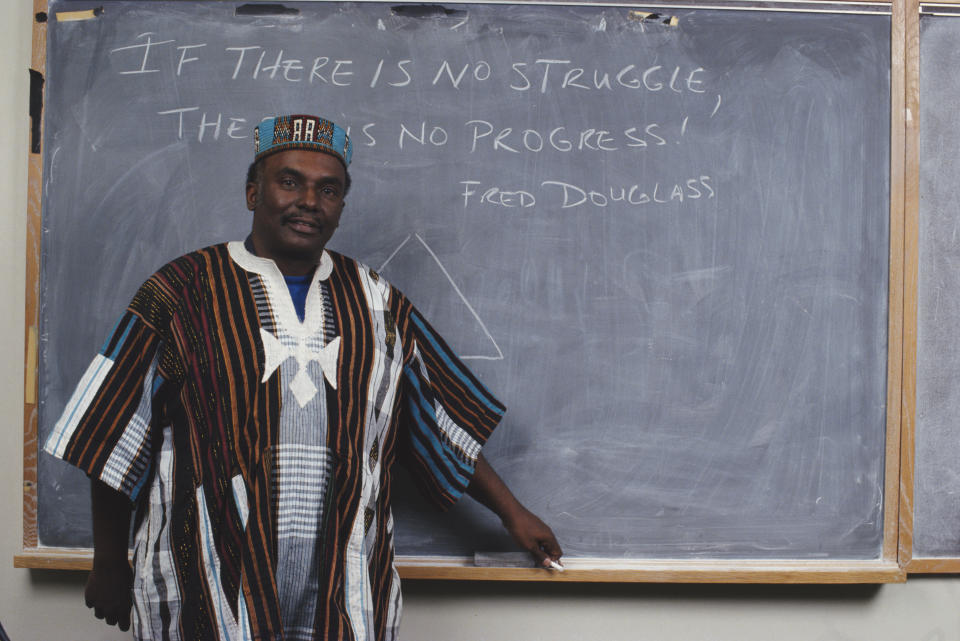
(688, 87)
(401, 67)
(144, 49)
(537, 75)
(481, 71)
(566, 195)
(540, 75)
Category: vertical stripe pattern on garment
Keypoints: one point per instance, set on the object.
(156, 615)
(227, 624)
(380, 388)
(77, 405)
(303, 464)
(132, 455)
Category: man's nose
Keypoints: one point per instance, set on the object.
(309, 198)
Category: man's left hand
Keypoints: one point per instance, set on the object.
(527, 529)
(534, 535)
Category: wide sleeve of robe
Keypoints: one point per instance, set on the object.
(446, 413)
(107, 428)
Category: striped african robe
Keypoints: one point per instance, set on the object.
(259, 448)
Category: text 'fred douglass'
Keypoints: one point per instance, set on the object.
(565, 195)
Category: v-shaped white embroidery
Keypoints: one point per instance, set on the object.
(302, 385)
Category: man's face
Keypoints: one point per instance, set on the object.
(296, 206)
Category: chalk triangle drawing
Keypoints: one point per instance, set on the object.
(498, 356)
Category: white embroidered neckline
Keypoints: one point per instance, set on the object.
(287, 322)
(280, 300)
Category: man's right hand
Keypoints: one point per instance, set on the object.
(110, 586)
(110, 593)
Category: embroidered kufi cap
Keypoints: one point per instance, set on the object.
(301, 132)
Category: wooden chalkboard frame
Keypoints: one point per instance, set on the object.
(901, 365)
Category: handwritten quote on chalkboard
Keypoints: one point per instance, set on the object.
(686, 86)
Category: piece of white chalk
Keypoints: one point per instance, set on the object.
(556, 566)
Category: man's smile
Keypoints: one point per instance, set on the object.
(303, 224)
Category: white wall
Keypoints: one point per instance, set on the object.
(47, 605)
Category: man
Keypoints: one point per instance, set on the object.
(251, 403)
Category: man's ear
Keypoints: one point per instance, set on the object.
(251, 196)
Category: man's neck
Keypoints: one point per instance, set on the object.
(287, 267)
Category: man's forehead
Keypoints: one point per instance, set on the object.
(314, 164)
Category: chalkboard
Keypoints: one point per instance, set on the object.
(936, 525)
(662, 240)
